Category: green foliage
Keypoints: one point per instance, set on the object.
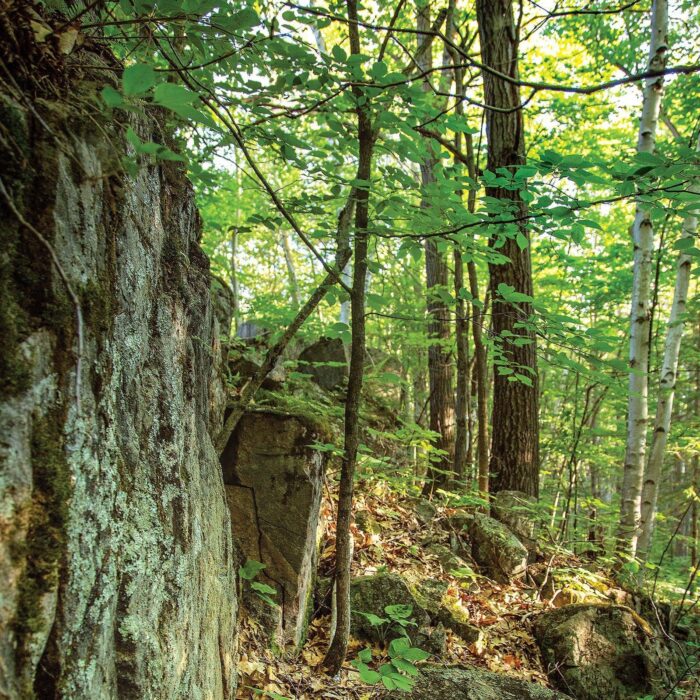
(398, 672)
(249, 572)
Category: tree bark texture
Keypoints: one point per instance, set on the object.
(640, 316)
(442, 398)
(514, 463)
(667, 387)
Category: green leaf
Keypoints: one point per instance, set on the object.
(244, 19)
(250, 569)
(521, 240)
(171, 95)
(405, 666)
(111, 97)
(398, 646)
(399, 612)
(373, 619)
(365, 655)
(367, 675)
(138, 79)
(415, 654)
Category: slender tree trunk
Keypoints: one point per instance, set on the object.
(337, 650)
(442, 399)
(233, 275)
(514, 461)
(643, 237)
(667, 388)
(291, 269)
(463, 378)
(480, 368)
(680, 545)
(462, 432)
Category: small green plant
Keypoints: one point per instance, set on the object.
(248, 572)
(398, 619)
(398, 672)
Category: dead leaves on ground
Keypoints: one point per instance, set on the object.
(392, 539)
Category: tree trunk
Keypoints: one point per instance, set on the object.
(514, 460)
(667, 388)
(337, 650)
(291, 269)
(643, 236)
(442, 399)
(462, 432)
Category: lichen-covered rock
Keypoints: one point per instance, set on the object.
(425, 511)
(457, 683)
(326, 362)
(273, 483)
(449, 561)
(443, 609)
(600, 651)
(116, 564)
(496, 549)
(371, 594)
(515, 510)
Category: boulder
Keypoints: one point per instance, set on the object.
(600, 651)
(325, 361)
(425, 511)
(372, 594)
(273, 482)
(515, 510)
(458, 683)
(448, 559)
(496, 549)
(245, 368)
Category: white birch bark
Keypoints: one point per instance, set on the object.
(667, 385)
(640, 317)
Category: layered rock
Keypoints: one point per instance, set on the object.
(273, 482)
(116, 562)
(601, 651)
(495, 548)
(515, 510)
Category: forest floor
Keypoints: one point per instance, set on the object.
(392, 541)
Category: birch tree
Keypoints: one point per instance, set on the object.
(640, 316)
(667, 382)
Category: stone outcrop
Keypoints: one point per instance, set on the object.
(515, 510)
(273, 483)
(495, 548)
(325, 361)
(456, 683)
(371, 595)
(601, 651)
(116, 560)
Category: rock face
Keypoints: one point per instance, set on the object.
(598, 651)
(273, 484)
(496, 549)
(116, 564)
(513, 509)
(456, 683)
(325, 361)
